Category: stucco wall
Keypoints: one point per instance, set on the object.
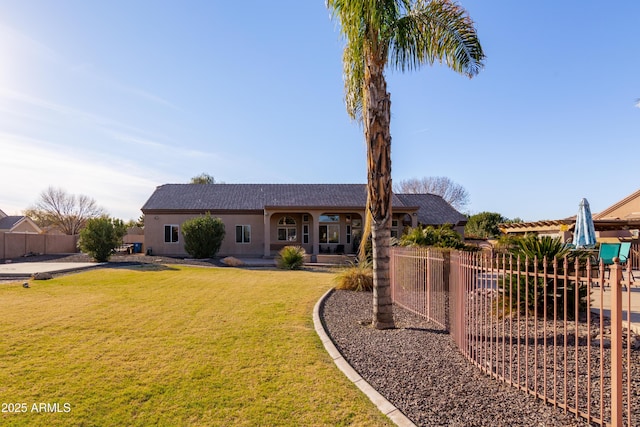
(154, 234)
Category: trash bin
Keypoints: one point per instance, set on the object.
(137, 248)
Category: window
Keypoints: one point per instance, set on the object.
(356, 231)
(329, 228)
(243, 234)
(330, 233)
(348, 234)
(394, 228)
(305, 233)
(329, 218)
(171, 233)
(287, 230)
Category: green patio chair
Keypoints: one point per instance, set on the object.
(608, 251)
(625, 248)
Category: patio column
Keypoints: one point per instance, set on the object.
(267, 234)
(315, 235)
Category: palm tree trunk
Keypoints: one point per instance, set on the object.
(377, 119)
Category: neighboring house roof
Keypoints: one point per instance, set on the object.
(608, 211)
(9, 223)
(2, 214)
(432, 209)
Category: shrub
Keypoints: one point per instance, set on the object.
(441, 237)
(291, 257)
(203, 236)
(533, 294)
(101, 236)
(527, 294)
(542, 247)
(232, 262)
(484, 225)
(356, 278)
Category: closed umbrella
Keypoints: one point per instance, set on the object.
(584, 234)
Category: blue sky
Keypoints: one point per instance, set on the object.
(113, 98)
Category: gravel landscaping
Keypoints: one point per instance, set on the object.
(418, 368)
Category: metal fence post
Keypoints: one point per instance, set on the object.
(616, 343)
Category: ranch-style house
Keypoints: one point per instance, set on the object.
(261, 219)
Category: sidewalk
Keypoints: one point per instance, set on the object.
(630, 302)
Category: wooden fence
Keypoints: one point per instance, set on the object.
(16, 245)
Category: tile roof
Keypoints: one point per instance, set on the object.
(8, 222)
(432, 209)
(254, 196)
(236, 197)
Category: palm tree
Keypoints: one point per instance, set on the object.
(405, 34)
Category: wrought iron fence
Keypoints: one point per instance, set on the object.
(558, 329)
(634, 256)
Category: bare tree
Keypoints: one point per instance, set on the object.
(67, 212)
(453, 193)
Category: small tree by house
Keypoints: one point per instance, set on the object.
(484, 225)
(203, 236)
(101, 236)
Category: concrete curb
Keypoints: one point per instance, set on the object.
(379, 400)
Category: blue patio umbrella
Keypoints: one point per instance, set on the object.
(584, 234)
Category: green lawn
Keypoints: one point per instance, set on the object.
(171, 346)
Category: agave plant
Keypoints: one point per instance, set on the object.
(525, 293)
(291, 257)
(540, 248)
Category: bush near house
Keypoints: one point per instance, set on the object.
(101, 236)
(441, 237)
(203, 236)
(291, 257)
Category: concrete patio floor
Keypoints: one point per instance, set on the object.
(26, 269)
